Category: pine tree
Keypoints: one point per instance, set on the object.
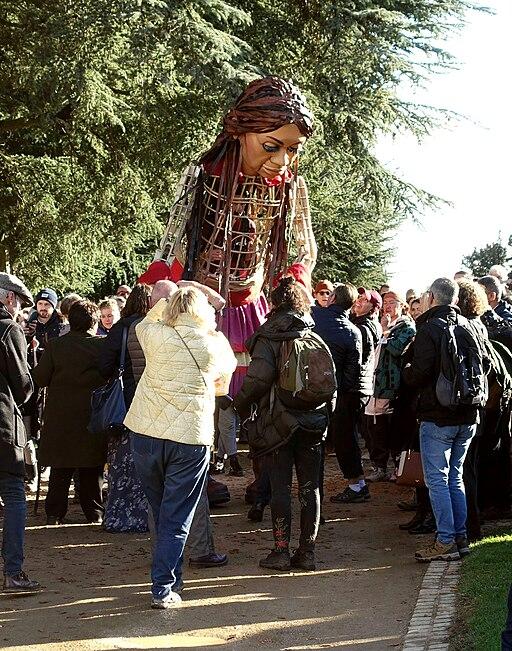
(482, 259)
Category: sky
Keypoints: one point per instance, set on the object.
(467, 164)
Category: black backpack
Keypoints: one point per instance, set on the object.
(462, 380)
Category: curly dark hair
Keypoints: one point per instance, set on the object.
(288, 296)
(138, 301)
(472, 298)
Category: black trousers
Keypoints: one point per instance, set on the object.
(349, 407)
(91, 499)
(379, 437)
(305, 454)
(494, 464)
(470, 477)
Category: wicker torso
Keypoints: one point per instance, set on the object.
(255, 208)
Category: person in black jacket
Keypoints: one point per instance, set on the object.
(287, 435)
(345, 343)
(15, 389)
(445, 432)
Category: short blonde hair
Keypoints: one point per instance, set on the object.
(109, 303)
(189, 300)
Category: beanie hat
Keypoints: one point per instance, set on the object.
(47, 294)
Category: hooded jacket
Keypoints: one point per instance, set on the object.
(270, 424)
(15, 389)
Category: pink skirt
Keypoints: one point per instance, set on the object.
(238, 324)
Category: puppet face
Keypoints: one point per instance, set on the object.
(272, 153)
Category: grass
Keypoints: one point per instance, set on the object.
(486, 576)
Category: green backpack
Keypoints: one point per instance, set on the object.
(307, 375)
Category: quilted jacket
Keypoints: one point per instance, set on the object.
(174, 398)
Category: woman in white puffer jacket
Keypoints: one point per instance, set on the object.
(171, 418)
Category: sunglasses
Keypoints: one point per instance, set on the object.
(325, 292)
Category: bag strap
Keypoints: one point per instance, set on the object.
(123, 350)
(192, 355)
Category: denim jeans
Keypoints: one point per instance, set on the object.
(12, 492)
(443, 450)
(172, 475)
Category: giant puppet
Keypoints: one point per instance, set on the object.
(241, 209)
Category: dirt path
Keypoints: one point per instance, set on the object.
(97, 597)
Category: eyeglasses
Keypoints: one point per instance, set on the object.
(325, 292)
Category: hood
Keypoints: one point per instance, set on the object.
(281, 326)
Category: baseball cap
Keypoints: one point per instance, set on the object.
(372, 296)
(12, 283)
(49, 295)
(322, 285)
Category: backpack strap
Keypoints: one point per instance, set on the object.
(193, 357)
(123, 350)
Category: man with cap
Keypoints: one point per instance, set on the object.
(322, 293)
(45, 322)
(15, 389)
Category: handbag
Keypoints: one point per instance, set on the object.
(108, 408)
(410, 469)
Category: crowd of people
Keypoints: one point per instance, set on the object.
(389, 392)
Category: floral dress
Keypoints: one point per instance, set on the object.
(126, 510)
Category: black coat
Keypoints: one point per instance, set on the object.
(110, 357)
(424, 369)
(371, 332)
(345, 343)
(69, 368)
(15, 389)
(270, 424)
(498, 328)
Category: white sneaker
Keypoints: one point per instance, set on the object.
(172, 600)
(377, 475)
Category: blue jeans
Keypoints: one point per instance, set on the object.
(172, 476)
(12, 492)
(443, 450)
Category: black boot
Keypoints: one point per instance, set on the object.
(417, 519)
(427, 526)
(235, 469)
(256, 512)
(303, 560)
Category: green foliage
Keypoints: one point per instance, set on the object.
(484, 586)
(103, 103)
(481, 260)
